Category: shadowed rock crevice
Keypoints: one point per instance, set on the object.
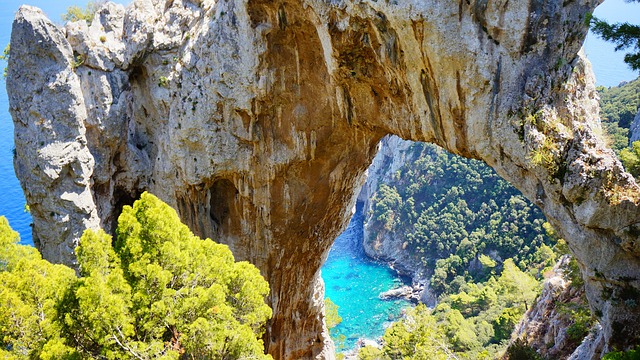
(222, 196)
(257, 119)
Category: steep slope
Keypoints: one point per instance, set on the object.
(635, 128)
(559, 320)
(257, 119)
(618, 107)
(436, 205)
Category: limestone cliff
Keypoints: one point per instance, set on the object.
(387, 246)
(393, 152)
(257, 119)
(545, 325)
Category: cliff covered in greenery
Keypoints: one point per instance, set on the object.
(453, 220)
(619, 105)
(474, 240)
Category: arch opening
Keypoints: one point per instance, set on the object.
(449, 224)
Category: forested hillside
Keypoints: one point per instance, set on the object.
(482, 244)
(618, 107)
(458, 218)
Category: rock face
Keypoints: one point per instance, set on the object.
(409, 293)
(544, 326)
(257, 120)
(391, 155)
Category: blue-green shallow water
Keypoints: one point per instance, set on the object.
(353, 283)
(11, 196)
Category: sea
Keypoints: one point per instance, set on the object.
(352, 281)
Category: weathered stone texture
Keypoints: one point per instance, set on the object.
(257, 119)
(544, 326)
(52, 159)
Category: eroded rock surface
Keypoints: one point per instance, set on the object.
(545, 325)
(257, 119)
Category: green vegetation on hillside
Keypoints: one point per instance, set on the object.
(630, 157)
(160, 292)
(459, 219)
(483, 243)
(618, 106)
(633, 354)
(476, 323)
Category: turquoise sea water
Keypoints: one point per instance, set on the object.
(351, 281)
(11, 196)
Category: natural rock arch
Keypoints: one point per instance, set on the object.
(256, 119)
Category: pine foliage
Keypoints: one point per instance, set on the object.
(160, 293)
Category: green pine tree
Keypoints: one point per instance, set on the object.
(161, 293)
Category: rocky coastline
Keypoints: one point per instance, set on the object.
(393, 152)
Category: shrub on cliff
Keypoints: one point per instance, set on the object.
(162, 292)
(76, 13)
(519, 350)
(333, 319)
(416, 336)
(30, 289)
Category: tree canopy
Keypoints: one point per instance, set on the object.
(456, 216)
(160, 293)
(475, 323)
(481, 241)
(30, 291)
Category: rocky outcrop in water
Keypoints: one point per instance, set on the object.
(257, 119)
(406, 292)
